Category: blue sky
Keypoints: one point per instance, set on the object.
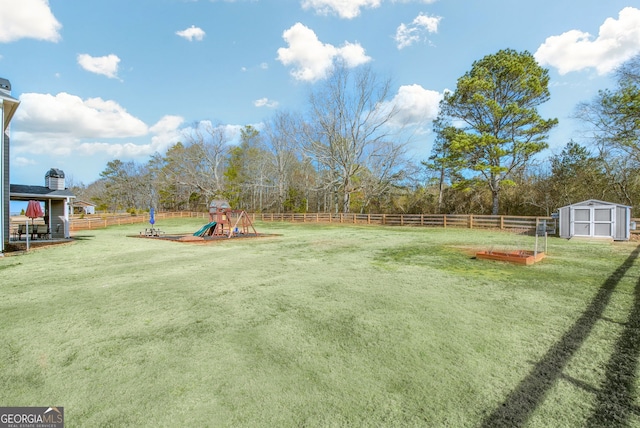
(122, 79)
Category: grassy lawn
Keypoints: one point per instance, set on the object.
(322, 326)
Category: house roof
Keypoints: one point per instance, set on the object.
(83, 204)
(26, 192)
(10, 106)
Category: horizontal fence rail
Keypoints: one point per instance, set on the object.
(513, 223)
(100, 221)
(469, 221)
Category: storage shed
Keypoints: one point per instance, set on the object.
(595, 219)
(83, 207)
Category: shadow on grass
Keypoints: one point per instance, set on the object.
(516, 409)
(614, 398)
(83, 237)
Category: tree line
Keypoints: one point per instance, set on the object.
(348, 152)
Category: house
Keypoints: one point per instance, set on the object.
(83, 207)
(595, 219)
(8, 107)
(57, 201)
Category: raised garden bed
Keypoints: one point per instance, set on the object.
(522, 257)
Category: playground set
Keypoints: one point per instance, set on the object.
(223, 221)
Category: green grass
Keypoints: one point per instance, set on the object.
(322, 326)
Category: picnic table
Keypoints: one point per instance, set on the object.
(36, 231)
(152, 232)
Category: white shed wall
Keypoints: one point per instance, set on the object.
(595, 219)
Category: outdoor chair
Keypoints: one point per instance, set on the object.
(21, 231)
(42, 231)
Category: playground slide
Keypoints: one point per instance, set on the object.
(204, 229)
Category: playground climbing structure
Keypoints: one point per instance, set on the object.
(223, 221)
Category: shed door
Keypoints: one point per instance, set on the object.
(602, 222)
(581, 225)
(592, 221)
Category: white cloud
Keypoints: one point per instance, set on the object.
(265, 102)
(22, 161)
(230, 132)
(353, 54)
(105, 65)
(69, 115)
(192, 33)
(343, 8)
(114, 150)
(167, 132)
(349, 9)
(406, 35)
(429, 23)
(312, 59)
(65, 124)
(28, 19)
(415, 105)
(167, 125)
(617, 41)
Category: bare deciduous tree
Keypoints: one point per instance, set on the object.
(284, 136)
(351, 127)
(203, 167)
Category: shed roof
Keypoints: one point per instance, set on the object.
(590, 202)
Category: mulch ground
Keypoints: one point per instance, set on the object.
(191, 239)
